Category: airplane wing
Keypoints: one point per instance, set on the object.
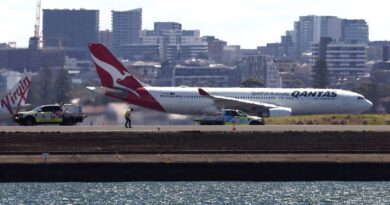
(248, 106)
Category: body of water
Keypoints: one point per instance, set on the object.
(196, 193)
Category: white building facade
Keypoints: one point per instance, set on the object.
(175, 44)
(344, 61)
(347, 59)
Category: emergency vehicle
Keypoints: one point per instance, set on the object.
(67, 114)
(230, 117)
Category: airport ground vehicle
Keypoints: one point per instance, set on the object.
(67, 114)
(229, 117)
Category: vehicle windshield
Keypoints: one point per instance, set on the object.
(242, 113)
(37, 109)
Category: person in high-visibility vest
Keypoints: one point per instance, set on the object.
(128, 118)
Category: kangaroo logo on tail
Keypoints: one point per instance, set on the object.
(114, 76)
(111, 72)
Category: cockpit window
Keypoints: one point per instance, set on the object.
(360, 98)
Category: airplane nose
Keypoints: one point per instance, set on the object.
(368, 104)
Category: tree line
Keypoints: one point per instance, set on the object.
(50, 86)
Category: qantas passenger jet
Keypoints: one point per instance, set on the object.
(117, 82)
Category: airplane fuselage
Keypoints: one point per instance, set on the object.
(187, 100)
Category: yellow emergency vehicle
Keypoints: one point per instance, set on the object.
(67, 114)
(230, 117)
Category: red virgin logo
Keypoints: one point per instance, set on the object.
(13, 100)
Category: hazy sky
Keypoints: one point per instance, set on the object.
(249, 23)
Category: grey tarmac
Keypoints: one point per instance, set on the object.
(194, 158)
(198, 128)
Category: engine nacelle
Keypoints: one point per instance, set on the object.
(280, 112)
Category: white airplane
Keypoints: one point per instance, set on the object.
(16, 97)
(117, 82)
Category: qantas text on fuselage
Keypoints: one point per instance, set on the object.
(117, 82)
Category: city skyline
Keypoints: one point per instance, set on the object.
(248, 23)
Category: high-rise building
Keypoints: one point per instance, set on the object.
(105, 37)
(126, 28)
(214, 47)
(332, 28)
(343, 59)
(71, 29)
(375, 50)
(231, 54)
(355, 31)
(310, 29)
(175, 44)
(382, 67)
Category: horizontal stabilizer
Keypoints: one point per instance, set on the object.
(105, 90)
(25, 105)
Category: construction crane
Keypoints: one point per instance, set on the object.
(37, 19)
(36, 40)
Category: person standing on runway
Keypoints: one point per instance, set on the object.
(128, 117)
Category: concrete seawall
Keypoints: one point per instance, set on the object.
(108, 172)
(194, 155)
(195, 141)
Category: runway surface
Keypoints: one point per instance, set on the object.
(194, 158)
(198, 128)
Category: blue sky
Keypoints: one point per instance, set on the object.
(249, 23)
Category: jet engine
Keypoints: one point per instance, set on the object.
(276, 112)
(279, 112)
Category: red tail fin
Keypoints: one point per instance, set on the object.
(111, 72)
(114, 75)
